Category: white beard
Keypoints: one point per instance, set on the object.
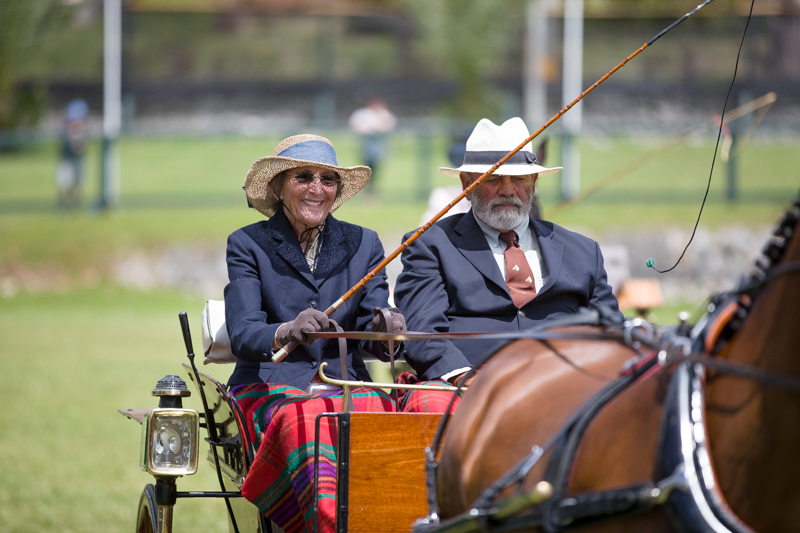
(504, 219)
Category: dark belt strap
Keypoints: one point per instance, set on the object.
(387, 319)
(348, 400)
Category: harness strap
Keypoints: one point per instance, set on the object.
(719, 323)
(563, 458)
(347, 402)
(517, 473)
(746, 371)
(387, 320)
(773, 273)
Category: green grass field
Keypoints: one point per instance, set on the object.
(189, 191)
(74, 353)
(69, 460)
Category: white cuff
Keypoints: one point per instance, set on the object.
(454, 373)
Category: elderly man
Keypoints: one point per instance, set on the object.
(494, 268)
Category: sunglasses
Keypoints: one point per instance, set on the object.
(305, 178)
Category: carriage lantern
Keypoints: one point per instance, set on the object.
(170, 433)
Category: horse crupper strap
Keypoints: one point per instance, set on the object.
(347, 401)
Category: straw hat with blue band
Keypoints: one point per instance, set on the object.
(489, 143)
(300, 151)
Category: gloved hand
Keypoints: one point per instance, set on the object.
(379, 323)
(381, 349)
(310, 320)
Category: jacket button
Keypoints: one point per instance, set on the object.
(521, 313)
(314, 364)
(312, 304)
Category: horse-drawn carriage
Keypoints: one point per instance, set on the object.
(573, 424)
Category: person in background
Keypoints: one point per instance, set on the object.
(373, 122)
(495, 268)
(283, 273)
(69, 173)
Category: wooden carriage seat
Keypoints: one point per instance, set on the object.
(383, 486)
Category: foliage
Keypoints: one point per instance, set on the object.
(22, 24)
(473, 39)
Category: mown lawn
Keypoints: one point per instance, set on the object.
(69, 361)
(189, 191)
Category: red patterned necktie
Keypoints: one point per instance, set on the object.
(519, 277)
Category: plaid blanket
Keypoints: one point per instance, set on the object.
(422, 401)
(281, 480)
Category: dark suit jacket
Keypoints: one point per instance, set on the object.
(270, 283)
(451, 283)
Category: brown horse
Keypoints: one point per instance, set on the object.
(529, 388)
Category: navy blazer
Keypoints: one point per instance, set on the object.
(270, 283)
(451, 283)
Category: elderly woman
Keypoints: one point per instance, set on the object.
(283, 272)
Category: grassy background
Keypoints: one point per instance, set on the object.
(74, 353)
(69, 460)
(189, 191)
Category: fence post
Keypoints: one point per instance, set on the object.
(112, 106)
(572, 85)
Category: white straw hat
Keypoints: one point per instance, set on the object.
(489, 143)
(300, 151)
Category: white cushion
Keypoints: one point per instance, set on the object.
(216, 343)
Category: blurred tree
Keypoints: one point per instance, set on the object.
(474, 39)
(22, 23)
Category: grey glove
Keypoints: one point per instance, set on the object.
(307, 321)
(379, 323)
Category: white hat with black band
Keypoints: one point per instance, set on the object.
(489, 143)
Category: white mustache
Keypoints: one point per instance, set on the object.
(505, 200)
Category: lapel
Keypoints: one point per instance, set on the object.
(334, 250)
(551, 251)
(288, 247)
(470, 241)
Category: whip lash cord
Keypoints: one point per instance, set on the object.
(651, 262)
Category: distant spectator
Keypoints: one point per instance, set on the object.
(373, 122)
(69, 173)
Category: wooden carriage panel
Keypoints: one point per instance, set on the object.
(387, 470)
